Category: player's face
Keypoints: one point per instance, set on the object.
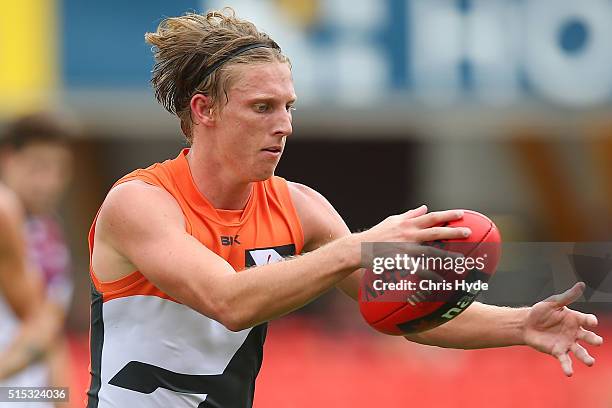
(39, 173)
(256, 120)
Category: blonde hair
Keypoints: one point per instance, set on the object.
(186, 47)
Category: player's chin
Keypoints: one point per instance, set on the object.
(263, 173)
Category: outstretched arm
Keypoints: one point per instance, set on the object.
(548, 326)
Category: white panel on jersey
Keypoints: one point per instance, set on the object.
(165, 334)
(265, 256)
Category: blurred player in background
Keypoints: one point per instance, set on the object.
(173, 324)
(35, 169)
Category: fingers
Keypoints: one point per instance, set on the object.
(438, 233)
(416, 212)
(437, 218)
(582, 355)
(580, 352)
(589, 337)
(566, 364)
(569, 296)
(588, 320)
(430, 225)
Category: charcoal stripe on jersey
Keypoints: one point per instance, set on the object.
(96, 341)
(226, 390)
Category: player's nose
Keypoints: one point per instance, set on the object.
(284, 126)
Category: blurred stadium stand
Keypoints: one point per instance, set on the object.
(502, 106)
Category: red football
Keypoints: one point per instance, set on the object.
(398, 300)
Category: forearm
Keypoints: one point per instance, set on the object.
(35, 338)
(19, 356)
(266, 292)
(479, 326)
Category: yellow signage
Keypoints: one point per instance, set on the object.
(29, 72)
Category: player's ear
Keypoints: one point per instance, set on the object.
(201, 109)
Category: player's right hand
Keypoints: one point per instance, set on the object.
(417, 226)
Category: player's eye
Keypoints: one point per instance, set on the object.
(261, 107)
(290, 108)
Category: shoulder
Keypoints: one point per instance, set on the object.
(136, 207)
(303, 193)
(308, 202)
(133, 221)
(135, 192)
(320, 221)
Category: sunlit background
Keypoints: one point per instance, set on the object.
(501, 106)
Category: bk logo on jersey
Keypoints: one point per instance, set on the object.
(229, 240)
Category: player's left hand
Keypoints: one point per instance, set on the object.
(552, 328)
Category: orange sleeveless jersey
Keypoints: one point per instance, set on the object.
(267, 230)
(269, 220)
